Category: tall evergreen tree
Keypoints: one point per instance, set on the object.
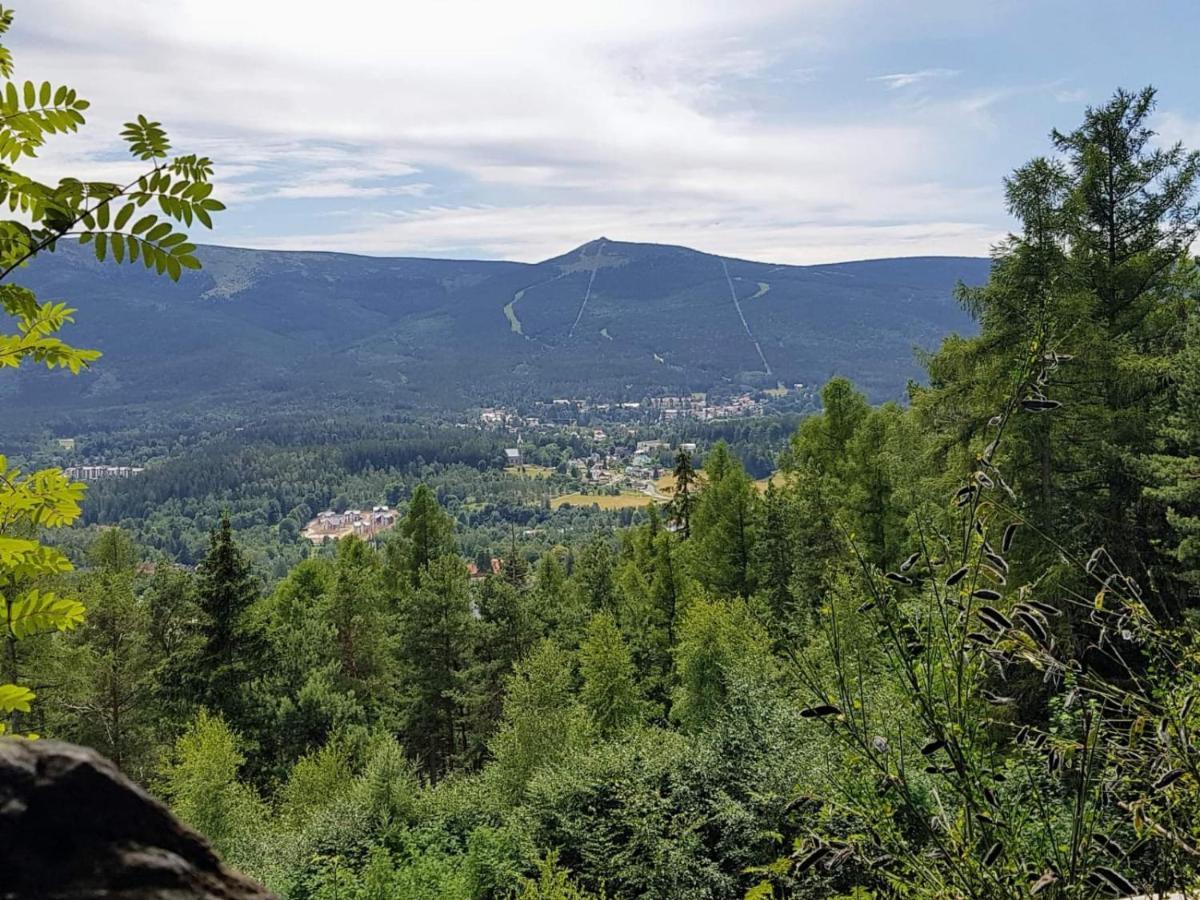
(593, 575)
(505, 630)
(775, 555)
(434, 649)
(225, 590)
(684, 497)
(355, 609)
(1175, 470)
(107, 674)
(426, 533)
(1098, 272)
(724, 528)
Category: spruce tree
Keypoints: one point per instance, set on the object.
(434, 649)
(427, 533)
(225, 589)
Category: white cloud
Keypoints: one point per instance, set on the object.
(561, 119)
(532, 233)
(899, 80)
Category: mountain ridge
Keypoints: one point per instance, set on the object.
(612, 319)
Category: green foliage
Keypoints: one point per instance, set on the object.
(225, 590)
(434, 648)
(683, 499)
(541, 723)
(107, 673)
(724, 527)
(201, 781)
(427, 532)
(1174, 471)
(29, 502)
(609, 691)
(719, 642)
(552, 883)
(44, 214)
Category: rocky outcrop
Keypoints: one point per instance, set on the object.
(72, 826)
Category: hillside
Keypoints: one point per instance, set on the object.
(609, 319)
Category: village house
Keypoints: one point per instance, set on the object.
(331, 525)
(99, 473)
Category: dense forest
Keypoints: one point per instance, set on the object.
(949, 653)
(272, 477)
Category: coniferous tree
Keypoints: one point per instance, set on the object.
(427, 533)
(1097, 277)
(107, 674)
(504, 632)
(434, 650)
(724, 528)
(775, 554)
(609, 690)
(542, 722)
(231, 652)
(683, 499)
(594, 576)
(1175, 470)
(355, 610)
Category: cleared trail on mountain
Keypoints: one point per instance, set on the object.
(738, 306)
(510, 308)
(588, 293)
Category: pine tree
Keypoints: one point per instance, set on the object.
(684, 498)
(434, 649)
(225, 590)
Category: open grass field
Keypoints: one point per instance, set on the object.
(624, 500)
(666, 482)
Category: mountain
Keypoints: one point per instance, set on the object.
(608, 319)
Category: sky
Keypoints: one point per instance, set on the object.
(805, 131)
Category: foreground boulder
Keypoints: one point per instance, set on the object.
(72, 826)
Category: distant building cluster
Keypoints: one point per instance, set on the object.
(100, 473)
(696, 406)
(566, 411)
(331, 525)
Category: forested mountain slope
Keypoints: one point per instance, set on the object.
(609, 319)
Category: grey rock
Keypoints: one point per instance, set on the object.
(72, 827)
